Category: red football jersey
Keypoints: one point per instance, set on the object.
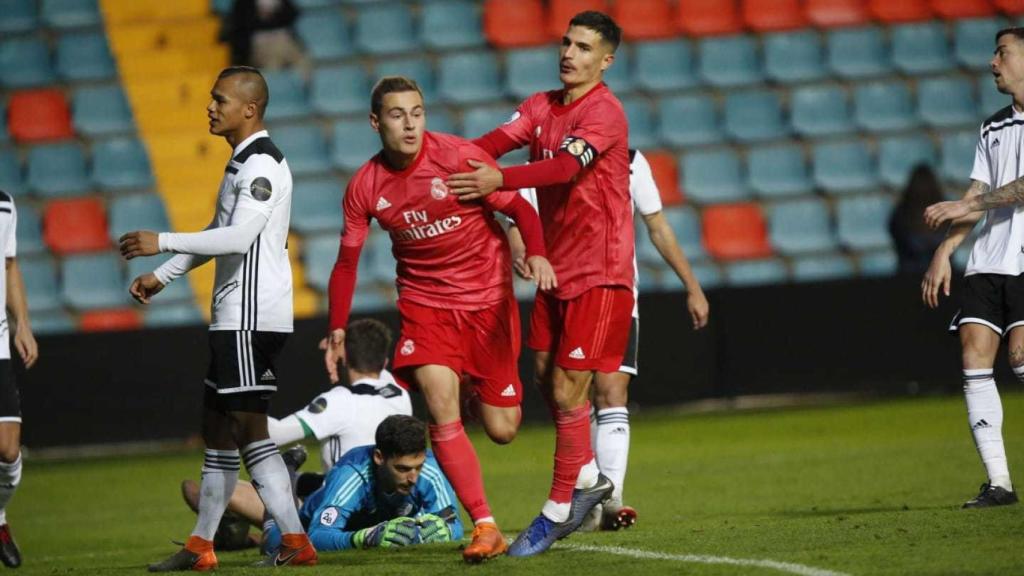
(588, 223)
(450, 254)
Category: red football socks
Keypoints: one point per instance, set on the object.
(458, 460)
(572, 450)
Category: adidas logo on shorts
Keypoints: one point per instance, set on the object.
(510, 390)
(383, 203)
(577, 354)
(268, 375)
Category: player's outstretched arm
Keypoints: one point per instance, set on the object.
(664, 239)
(939, 274)
(17, 307)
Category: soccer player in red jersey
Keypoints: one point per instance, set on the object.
(459, 314)
(580, 167)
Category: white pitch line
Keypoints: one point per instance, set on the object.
(789, 567)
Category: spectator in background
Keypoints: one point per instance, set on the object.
(915, 242)
(260, 34)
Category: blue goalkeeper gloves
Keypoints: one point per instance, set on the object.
(401, 531)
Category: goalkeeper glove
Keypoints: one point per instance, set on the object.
(433, 528)
(401, 531)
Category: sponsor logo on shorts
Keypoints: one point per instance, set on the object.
(438, 189)
(408, 347)
(509, 391)
(577, 354)
(328, 516)
(383, 203)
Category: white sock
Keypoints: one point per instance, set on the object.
(985, 417)
(613, 446)
(556, 511)
(270, 478)
(10, 477)
(219, 476)
(484, 520)
(588, 475)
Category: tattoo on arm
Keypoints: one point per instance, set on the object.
(1011, 194)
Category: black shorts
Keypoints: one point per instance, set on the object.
(10, 400)
(630, 360)
(242, 364)
(994, 300)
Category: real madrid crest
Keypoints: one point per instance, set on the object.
(438, 189)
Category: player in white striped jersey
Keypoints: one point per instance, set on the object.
(252, 316)
(993, 298)
(610, 421)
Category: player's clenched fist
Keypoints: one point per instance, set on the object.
(139, 243)
(145, 287)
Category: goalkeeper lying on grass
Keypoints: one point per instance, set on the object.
(390, 494)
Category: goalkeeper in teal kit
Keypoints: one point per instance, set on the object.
(390, 494)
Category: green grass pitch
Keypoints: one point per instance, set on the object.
(858, 490)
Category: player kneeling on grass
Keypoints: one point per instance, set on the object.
(390, 494)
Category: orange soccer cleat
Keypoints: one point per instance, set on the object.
(296, 550)
(487, 543)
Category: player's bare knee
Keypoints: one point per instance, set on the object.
(9, 453)
(501, 434)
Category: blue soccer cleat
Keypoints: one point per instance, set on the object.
(543, 532)
(585, 499)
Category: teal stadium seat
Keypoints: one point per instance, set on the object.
(820, 111)
(708, 274)
(4, 132)
(311, 4)
(11, 180)
(990, 100)
(177, 291)
(316, 206)
(53, 322)
(29, 231)
(664, 65)
(418, 68)
(899, 155)
(713, 176)
(754, 115)
(325, 34)
(121, 164)
(288, 95)
(160, 315)
(778, 171)
(440, 120)
(451, 24)
(353, 143)
(945, 102)
(41, 285)
(856, 53)
(974, 41)
(620, 76)
(468, 78)
(305, 147)
(223, 7)
(729, 61)
(380, 264)
(70, 13)
(530, 70)
(642, 132)
(93, 281)
(878, 263)
(688, 121)
(921, 48)
(18, 16)
(101, 111)
(794, 56)
(958, 155)
(884, 106)
(385, 28)
(340, 89)
(756, 272)
(800, 227)
(685, 225)
(863, 222)
(128, 212)
(841, 167)
(319, 254)
(56, 170)
(478, 121)
(84, 56)
(822, 268)
(24, 63)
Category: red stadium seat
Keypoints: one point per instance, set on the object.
(953, 9)
(512, 23)
(644, 19)
(709, 17)
(735, 232)
(666, 176)
(561, 11)
(773, 15)
(108, 320)
(834, 13)
(1012, 7)
(75, 225)
(38, 115)
(901, 11)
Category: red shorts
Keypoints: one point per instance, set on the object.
(483, 344)
(589, 332)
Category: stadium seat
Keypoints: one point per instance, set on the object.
(708, 274)
(18, 16)
(25, 63)
(57, 170)
(316, 206)
(29, 231)
(101, 111)
(325, 34)
(305, 147)
(774, 171)
(793, 56)
(39, 115)
(709, 17)
(177, 291)
(801, 226)
(121, 164)
(688, 121)
(530, 70)
(821, 268)
(957, 9)
(898, 155)
(641, 122)
(685, 223)
(856, 53)
(84, 56)
(666, 176)
(958, 155)
(921, 48)
(480, 120)
(40, 277)
(756, 273)
(773, 15)
(311, 4)
(841, 167)
(171, 315)
(820, 111)
(385, 28)
(663, 65)
(419, 69)
(515, 23)
(288, 95)
(1011, 7)
(835, 13)
(753, 115)
(11, 180)
(93, 281)
(644, 19)
(379, 265)
(450, 24)
(883, 106)
(53, 322)
(990, 99)
(735, 232)
(70, 13)
(863, 222)
(4, 134)
(729, 61)
(110, 320)
(878, 263)
(974, 41)
(561, 11)
(903, 11)
(75, 225)
(128, 212)
(319, 254)
(620, 76)
(469, 78)
(946, 101)
(440, 120)
(354, 143)
(713, 176)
